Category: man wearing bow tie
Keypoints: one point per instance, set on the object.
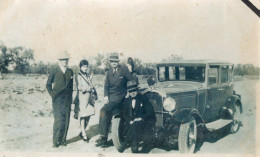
(139, 115)
(60, 87)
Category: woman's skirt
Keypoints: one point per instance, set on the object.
(85, 108)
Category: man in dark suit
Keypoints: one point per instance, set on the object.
(114, 94)
(60, 88)
(139, 116)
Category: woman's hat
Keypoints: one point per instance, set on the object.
(132, 85)
(63, 55)
(114, 57)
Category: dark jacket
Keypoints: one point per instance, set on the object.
(143, 109)
(115, 84)
(60, 84)
(60, 88)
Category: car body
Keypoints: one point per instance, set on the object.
(190, 97)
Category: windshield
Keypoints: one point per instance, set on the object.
(181, 73)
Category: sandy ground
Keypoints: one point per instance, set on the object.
(27, 119)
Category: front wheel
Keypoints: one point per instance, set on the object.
(235, 125)
(117, 134)
(187, 136)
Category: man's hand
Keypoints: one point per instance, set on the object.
(138, 119)
(76, 115)
(129, 67)
(135, 120)
(106, 99)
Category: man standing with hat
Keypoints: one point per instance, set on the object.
(139, 116)
(114, 94)
(60, 87)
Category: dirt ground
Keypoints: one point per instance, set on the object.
(26, 121)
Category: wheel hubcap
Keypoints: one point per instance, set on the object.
(192, 136)
(236, 118)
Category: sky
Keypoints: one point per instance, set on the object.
(151, 30)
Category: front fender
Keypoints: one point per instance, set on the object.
(185, 114)
(236, 99)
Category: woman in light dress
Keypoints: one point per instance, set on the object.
(85, 106)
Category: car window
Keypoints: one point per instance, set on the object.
(230, 73)
(224, 74)
(213, 75)
(161, 73)
(181, 73)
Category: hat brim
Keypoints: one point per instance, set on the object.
(114, 60)
(63, 58)
(132, 89)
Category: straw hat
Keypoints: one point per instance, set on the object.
(63, 55)
(114, 57)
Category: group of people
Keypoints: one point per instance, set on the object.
(121, 95)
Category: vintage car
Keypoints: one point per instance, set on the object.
(189, 98)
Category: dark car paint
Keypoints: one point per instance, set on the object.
(204, 102)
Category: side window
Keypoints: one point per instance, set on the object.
(172, 74)
(161, 73)
(224, 74)
(230, 73)
(182, 73)
(213, 75)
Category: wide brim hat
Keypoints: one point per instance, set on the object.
(132, 85)
(63, 55)
(114, 57)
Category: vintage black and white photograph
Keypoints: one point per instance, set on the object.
(129, 77)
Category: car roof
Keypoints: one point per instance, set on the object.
(195, 62)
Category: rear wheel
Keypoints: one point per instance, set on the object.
(187, 136)
(117, 134)
(235, 125)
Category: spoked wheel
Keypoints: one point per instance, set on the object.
(235, 125)
(117, 134)
(187, 137)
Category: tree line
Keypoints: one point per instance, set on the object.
(21, 60)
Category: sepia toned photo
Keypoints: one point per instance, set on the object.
(129, 77)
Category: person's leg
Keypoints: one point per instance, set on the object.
(66, 122)
(56, 127)
(106, 114)
(86, 122)
(64, 117)
(148, 135)
(82, 126)
(135, 137)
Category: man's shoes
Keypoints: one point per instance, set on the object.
(56, 145)
(134, 147)
(63, 144)
(101, 141)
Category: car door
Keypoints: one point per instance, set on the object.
(213, 94)
(226, 85)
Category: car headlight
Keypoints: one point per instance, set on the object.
(169, 104)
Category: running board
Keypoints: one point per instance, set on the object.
(217, 124)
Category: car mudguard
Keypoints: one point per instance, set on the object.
(185, 114)
(236, 99)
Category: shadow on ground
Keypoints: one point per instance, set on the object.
(93, 131)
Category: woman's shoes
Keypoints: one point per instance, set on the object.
(85, 138)
(80, 135)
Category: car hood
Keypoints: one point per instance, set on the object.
(179, 87)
